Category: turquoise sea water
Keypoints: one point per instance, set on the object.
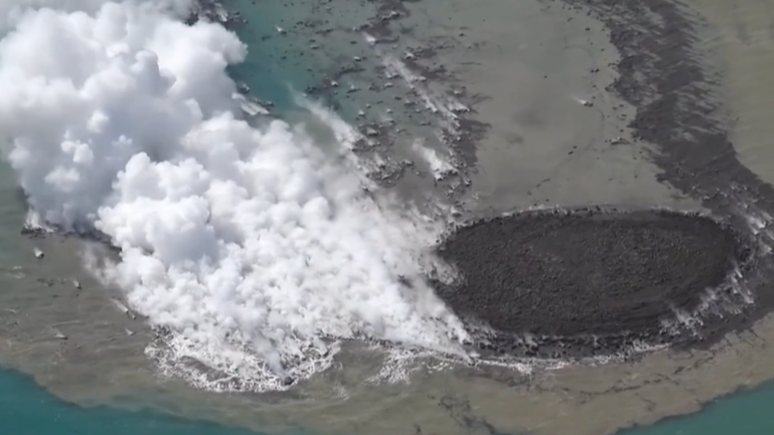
(27, 409)
(274, 63)
(746, 413)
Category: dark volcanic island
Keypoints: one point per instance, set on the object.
(593, 281)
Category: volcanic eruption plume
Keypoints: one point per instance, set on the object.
(250, 244)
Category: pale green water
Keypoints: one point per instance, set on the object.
(27, 409)
(747, 413)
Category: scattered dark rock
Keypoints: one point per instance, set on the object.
(588, 281)
(213, 11)
(680, 111)
(33, 232)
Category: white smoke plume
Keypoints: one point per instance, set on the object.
(247, 243)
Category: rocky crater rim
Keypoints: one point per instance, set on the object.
(594, 280)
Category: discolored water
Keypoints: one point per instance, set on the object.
(100, 362)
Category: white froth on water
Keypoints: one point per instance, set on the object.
(399, 364)
(346, 136)
(439, 165)
(445, 106)
(248, 245)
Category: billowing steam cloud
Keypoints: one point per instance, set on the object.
(246, 242)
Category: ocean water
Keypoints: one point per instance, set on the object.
(276, 65)
(27, 409)
(263, 69)
(746, 413)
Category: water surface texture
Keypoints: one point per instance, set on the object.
(440, 112)
(26, 409)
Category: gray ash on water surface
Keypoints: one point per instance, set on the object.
(591, 281)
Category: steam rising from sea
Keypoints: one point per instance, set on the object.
(253, 246)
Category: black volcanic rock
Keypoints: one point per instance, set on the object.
(610, 274)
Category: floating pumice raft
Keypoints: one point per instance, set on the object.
(594, 281)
